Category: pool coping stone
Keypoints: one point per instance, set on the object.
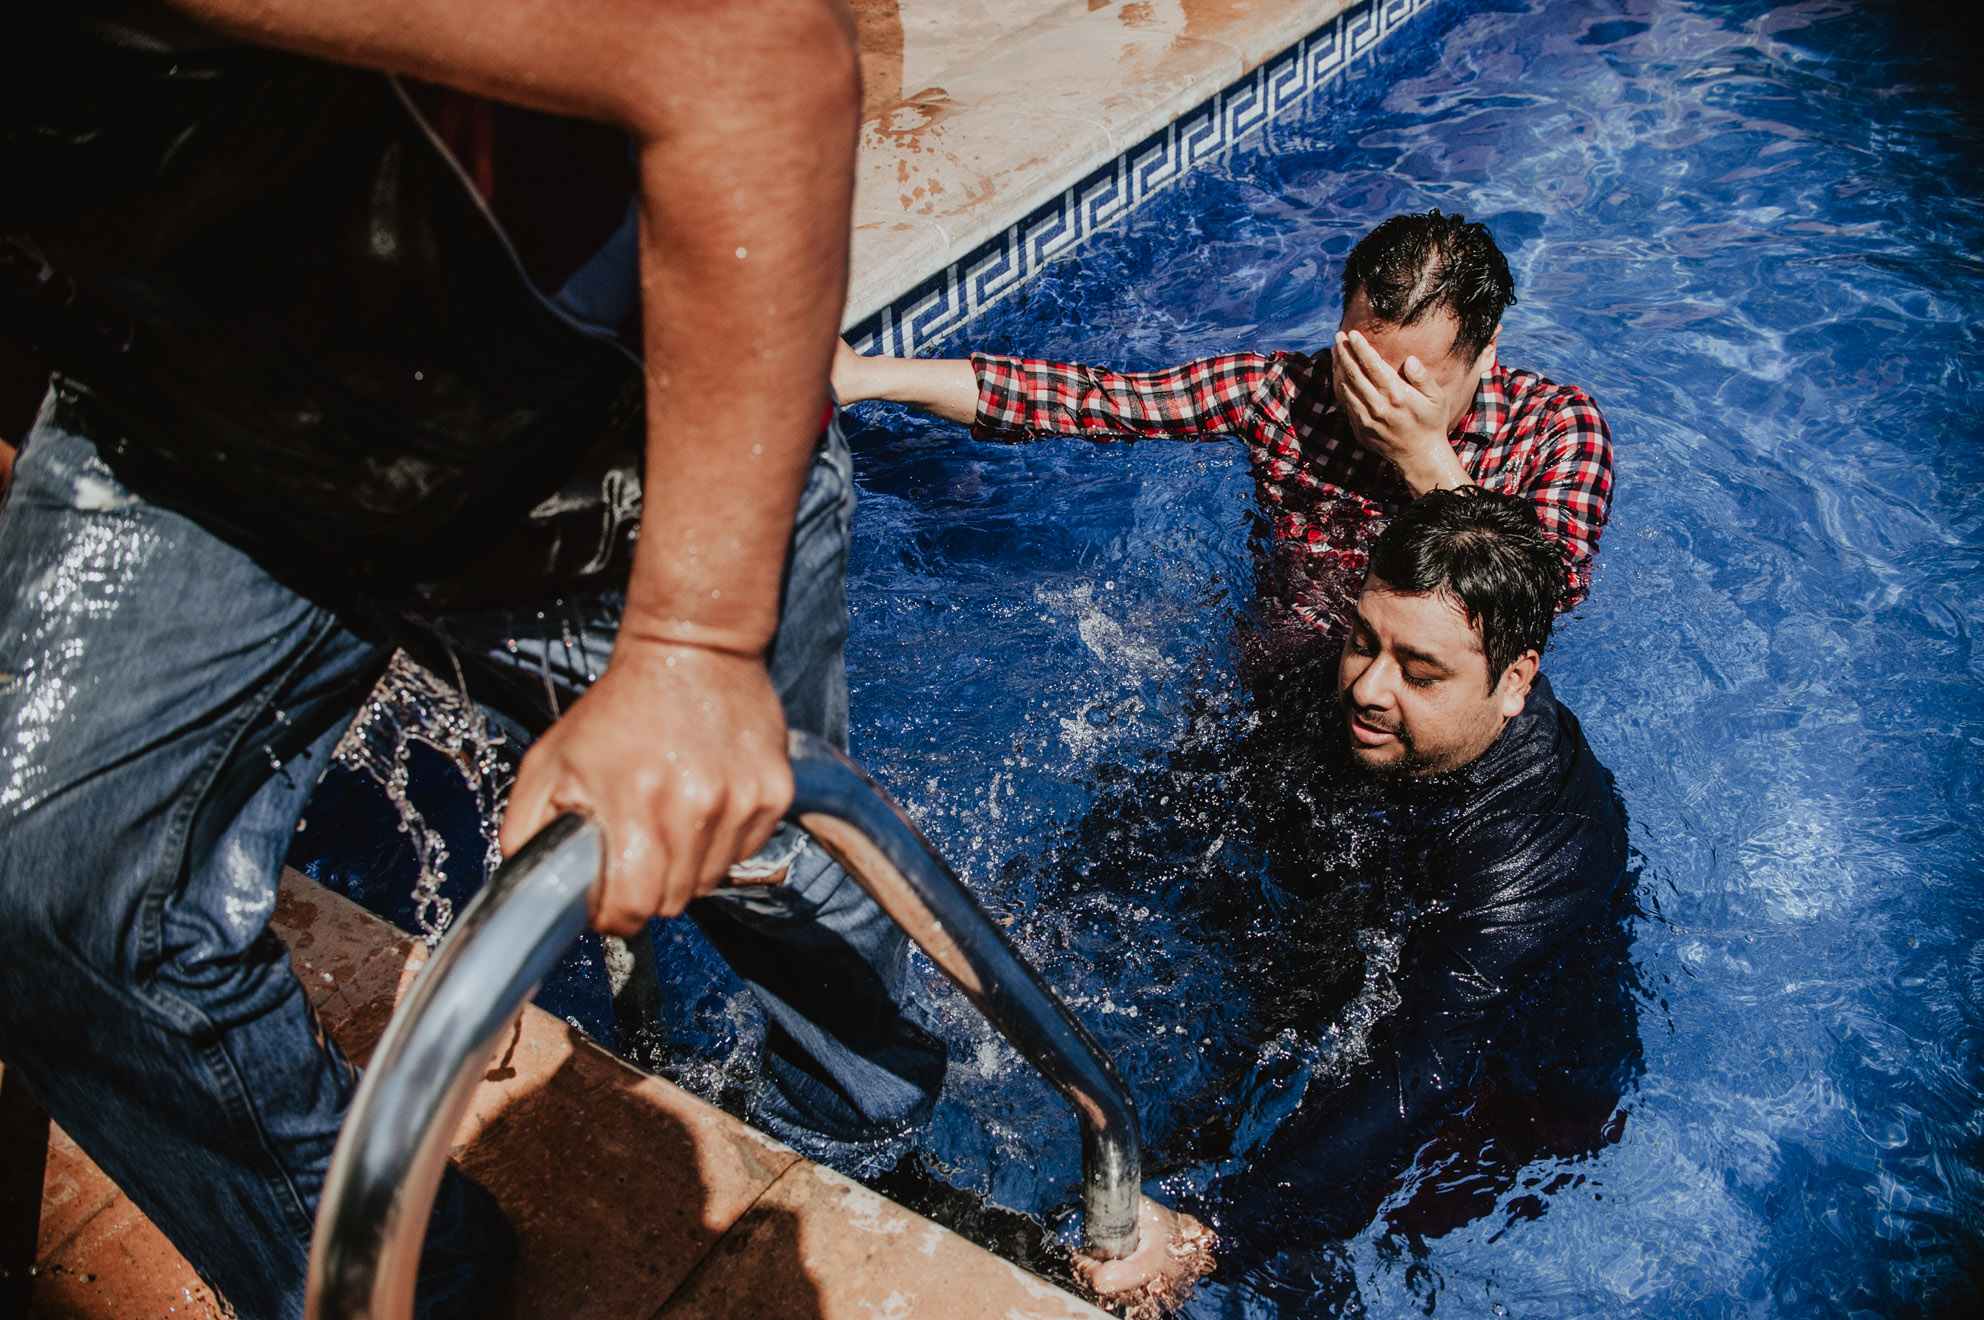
(965, 191)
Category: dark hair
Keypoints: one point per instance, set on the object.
(1414, 265)
(1489, 553)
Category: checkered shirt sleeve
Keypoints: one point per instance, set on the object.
(1573, 493)
(1024, 398)
(1567, 472)
(1527, 436)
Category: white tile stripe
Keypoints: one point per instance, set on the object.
(940, 304)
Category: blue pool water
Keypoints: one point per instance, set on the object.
(1753, 232)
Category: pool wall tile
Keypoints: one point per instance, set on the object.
(973, 157)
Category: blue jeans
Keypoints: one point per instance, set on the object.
(166, 708)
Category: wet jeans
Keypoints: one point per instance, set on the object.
(166, 708)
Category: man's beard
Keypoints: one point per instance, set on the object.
(1408, 764)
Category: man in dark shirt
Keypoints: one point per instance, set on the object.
(1413, 398)
(1447, 772)
(1434, 839)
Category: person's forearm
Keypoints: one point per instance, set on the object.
(947, 387)
(1433, 467)
(742, 116)
(744, 270)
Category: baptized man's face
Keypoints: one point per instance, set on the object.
(1416, 693)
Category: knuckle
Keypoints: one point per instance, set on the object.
(777, 789)
(622, 914)
(626, 921)
(698, 797)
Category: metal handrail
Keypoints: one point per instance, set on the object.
(372, 1216)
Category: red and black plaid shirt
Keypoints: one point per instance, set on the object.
(1328, 496)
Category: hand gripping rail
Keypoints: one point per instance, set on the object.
(372, 1217)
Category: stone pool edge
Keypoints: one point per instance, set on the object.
(965, 192)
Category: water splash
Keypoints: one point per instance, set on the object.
(411, 705)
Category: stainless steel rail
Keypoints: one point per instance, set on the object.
(869, 835)
(372, 1217)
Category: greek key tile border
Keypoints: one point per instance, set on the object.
(938, 306)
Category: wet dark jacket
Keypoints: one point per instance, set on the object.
(1508, 863)
(277, 304)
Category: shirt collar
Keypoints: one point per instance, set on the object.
(1516, 745)
(1491, 405)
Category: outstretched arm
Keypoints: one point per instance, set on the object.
(1008, 398)
(743, 118)
(945, 386)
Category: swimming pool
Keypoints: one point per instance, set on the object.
(1751, 231)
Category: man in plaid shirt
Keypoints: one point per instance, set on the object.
(1411, 399)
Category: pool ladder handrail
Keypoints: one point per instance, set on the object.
(386, 1169)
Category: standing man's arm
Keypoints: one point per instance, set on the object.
(743, 115)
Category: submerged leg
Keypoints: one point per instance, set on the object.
(846, 1075)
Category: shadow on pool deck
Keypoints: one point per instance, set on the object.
(631, 1198)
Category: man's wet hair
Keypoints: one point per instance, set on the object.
(1414, 265)
(1488, 552)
